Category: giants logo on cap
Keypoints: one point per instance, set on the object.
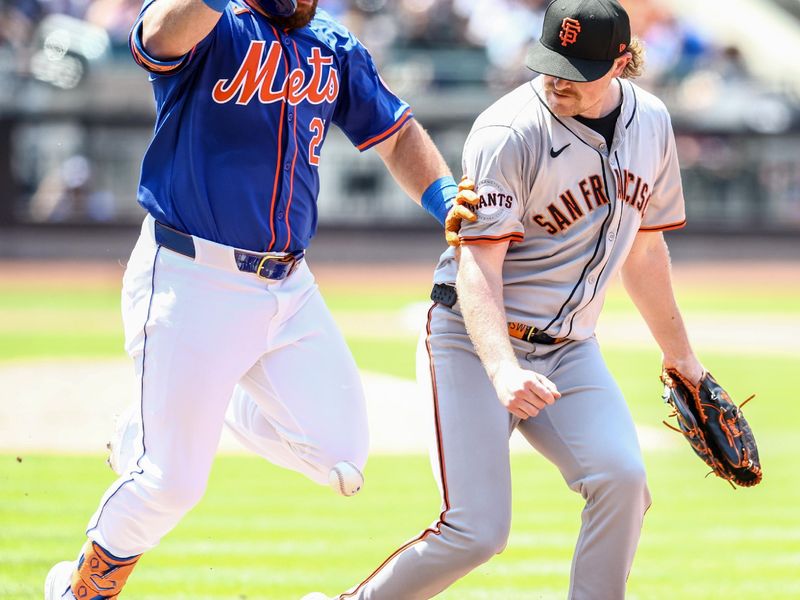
(570, 28)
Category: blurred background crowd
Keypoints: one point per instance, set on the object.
(76, 112)
(497, 31)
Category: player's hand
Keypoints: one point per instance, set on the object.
(524, 393)
(463, 209)
(689, 367)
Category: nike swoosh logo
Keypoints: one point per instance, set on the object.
(555, 153)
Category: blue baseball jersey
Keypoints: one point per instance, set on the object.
(241, 120)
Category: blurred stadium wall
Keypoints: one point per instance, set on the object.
(76, 115)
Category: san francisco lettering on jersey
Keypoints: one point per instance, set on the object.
(567, 210)
(258, 74)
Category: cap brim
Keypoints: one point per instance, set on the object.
(548, 62)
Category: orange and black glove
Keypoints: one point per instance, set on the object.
(714, 427)
(463, 209)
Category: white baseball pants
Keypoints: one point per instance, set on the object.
(207, 340)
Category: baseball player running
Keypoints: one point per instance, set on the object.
(222, 316)
(578, 177)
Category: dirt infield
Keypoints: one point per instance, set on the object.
(46, 394)
(88, 395)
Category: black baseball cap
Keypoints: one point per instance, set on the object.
(581, 39)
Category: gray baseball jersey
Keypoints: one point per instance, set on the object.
(570, 206)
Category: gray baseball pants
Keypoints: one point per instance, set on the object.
(588, 434)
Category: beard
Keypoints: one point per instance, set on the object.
(301, 17)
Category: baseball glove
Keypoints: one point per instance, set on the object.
(714, 426)
(463, 209)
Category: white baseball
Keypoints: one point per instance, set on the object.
(345, 478)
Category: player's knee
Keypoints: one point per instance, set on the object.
(182, 498)
(624, 485)
(177, 494)
(484, 546)
(630, 482)
(482, 539)
(319, 468)
(354, 450)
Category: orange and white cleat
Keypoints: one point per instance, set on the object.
(96, 574)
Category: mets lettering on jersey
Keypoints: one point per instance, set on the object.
(574, 212)
(241, 121)
(257, 75)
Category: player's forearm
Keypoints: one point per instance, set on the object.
(413, 160)
(647, 279)
(171, 28)
(480, 295)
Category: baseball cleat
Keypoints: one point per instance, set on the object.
(57, 584)
(316, 596)
(345, 478)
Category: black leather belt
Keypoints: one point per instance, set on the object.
(446, 295)
(274, 267)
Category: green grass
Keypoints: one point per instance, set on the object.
(87, 323)
(734, 299)
(262, 532)
(266, 533)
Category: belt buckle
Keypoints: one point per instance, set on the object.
(276, 268)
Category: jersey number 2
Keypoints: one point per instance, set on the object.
(318, 127)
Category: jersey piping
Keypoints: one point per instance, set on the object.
(278, 176)
(404, 118)
(635, 104)
(294, 164)
(492, 239)
(611, 209)
(667, 227)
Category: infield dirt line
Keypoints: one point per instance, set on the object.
(89, 394)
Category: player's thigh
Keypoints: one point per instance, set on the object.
(471, 429)
(308, 387)
(188, 354)
(590, 428)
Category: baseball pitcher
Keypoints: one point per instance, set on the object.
(222, 316)
(577, 177)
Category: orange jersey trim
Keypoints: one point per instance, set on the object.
(437, 528)
(279, 162)
(149, 64)
(492, 239)
(294, 162)
(404, 118)
(668, 227)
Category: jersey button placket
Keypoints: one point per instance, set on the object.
(289, 151)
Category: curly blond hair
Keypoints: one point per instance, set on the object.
(635, 67)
